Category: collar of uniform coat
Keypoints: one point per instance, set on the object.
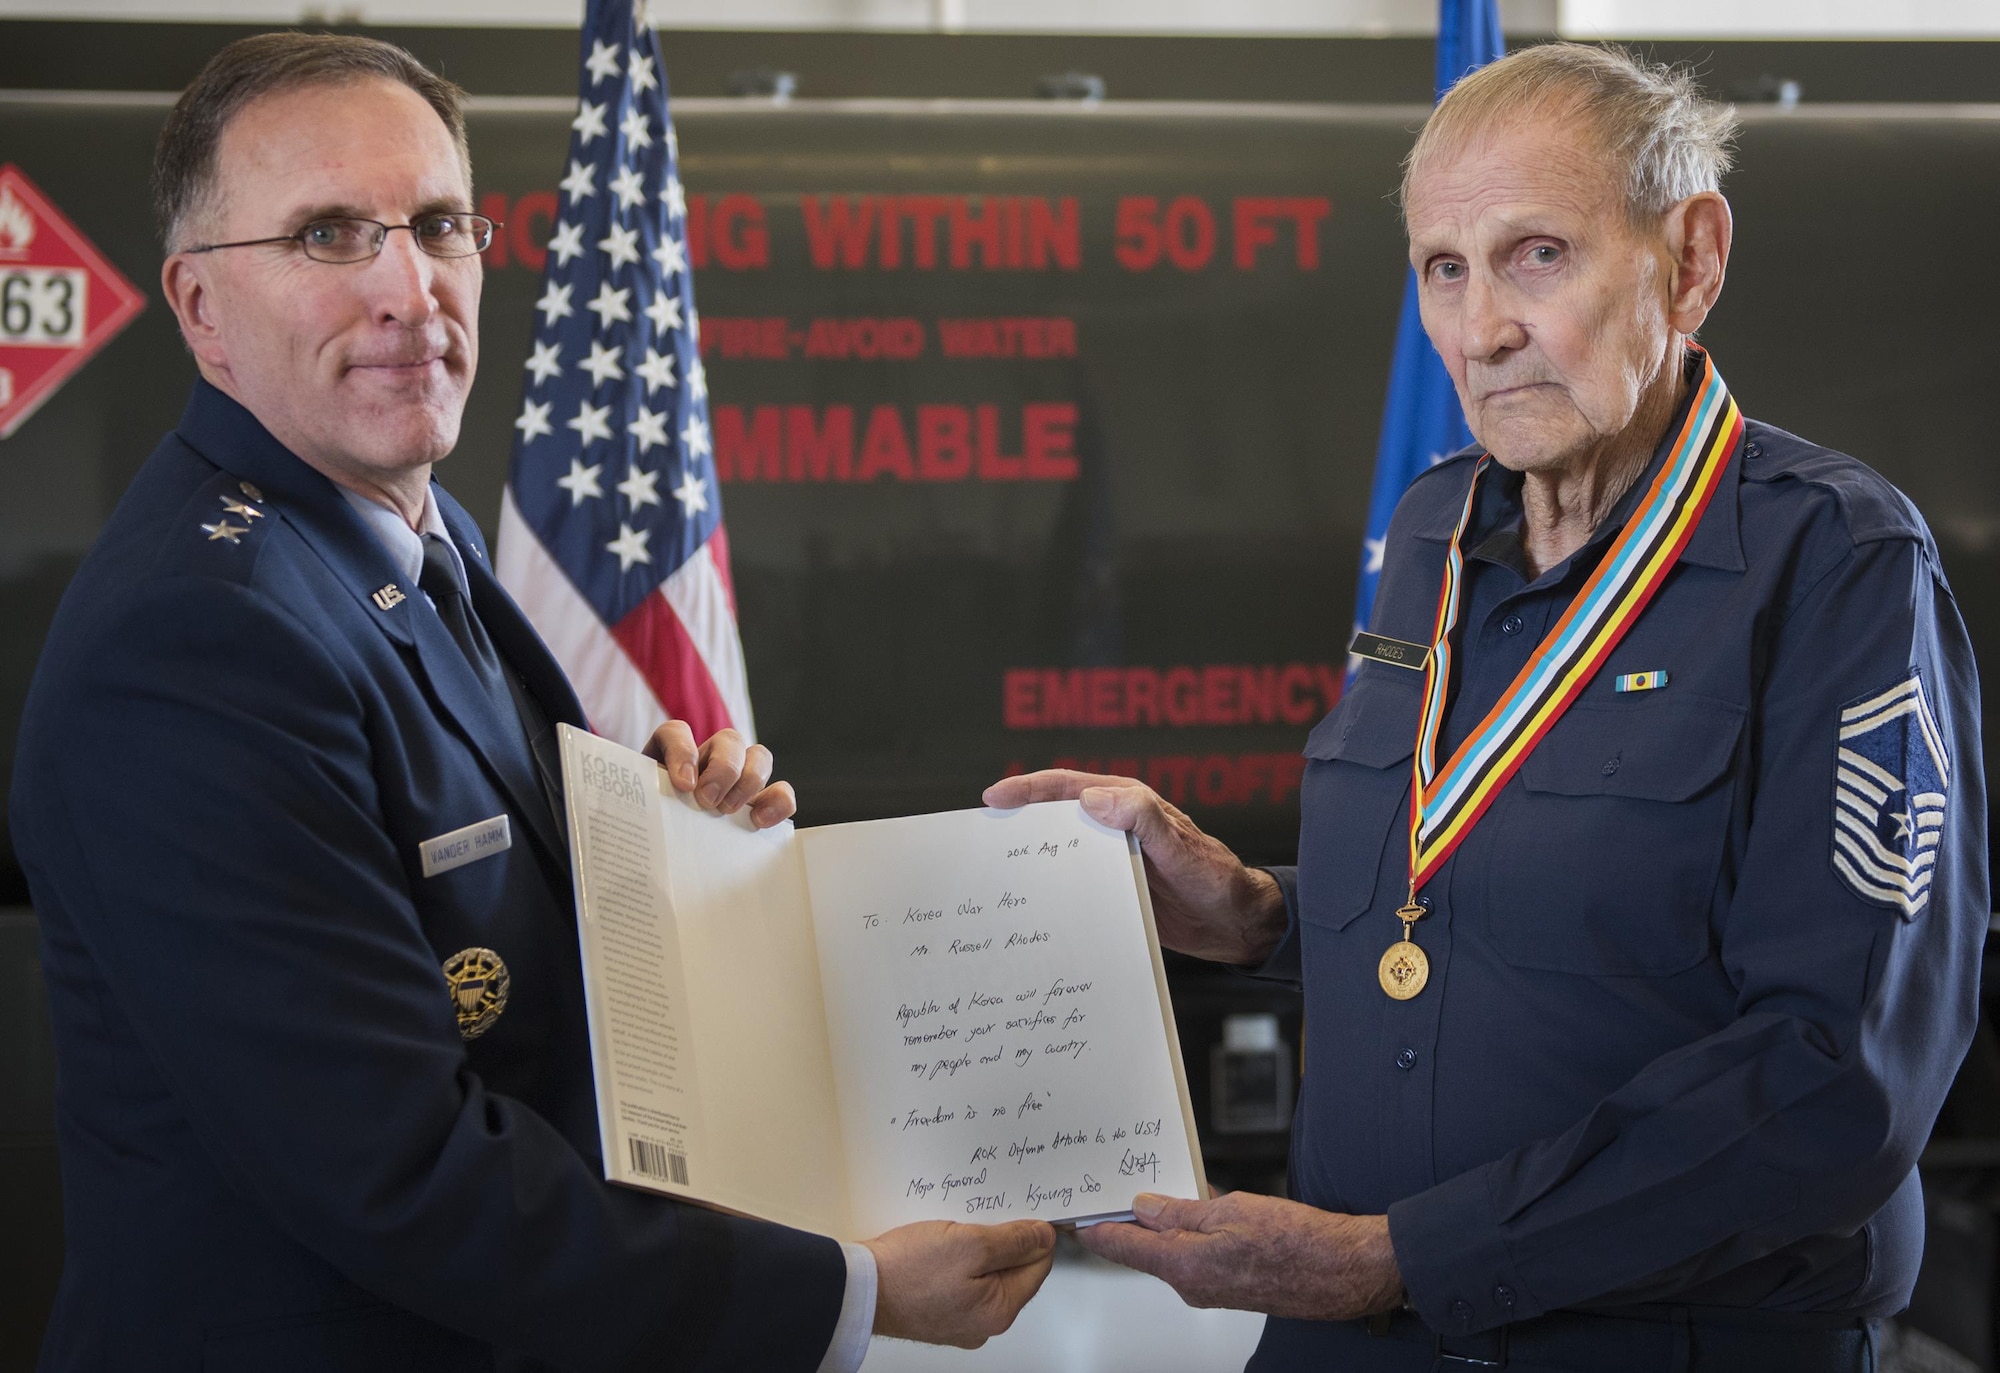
(232, 438)
(1717, 541)
(228, 435)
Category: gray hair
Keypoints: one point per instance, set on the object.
(264, 64)
(1652, 121)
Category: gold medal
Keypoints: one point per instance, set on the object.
(1403, 970)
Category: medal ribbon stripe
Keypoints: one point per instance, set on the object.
(1572, 654)
(1437, 671)
(1444, 807)
(1554, 653)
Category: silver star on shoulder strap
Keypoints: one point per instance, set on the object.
(223, 529)
(234, 507)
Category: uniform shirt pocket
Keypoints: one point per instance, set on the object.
(1604, 858)
(1355, 795)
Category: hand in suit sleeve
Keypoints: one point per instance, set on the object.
(230, 868)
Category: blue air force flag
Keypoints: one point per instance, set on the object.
(1889, 789)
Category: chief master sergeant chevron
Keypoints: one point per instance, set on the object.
(285, 800)
(1621, 1042)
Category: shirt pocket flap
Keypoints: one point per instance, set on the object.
(1354, 794)
(1660, 750)
(1377, 725)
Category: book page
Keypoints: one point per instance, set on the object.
(1001, 1040)
(707, 1027)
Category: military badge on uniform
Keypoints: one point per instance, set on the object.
(1891, 780)
(479, 982)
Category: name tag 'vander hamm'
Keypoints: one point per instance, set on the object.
(467, 845)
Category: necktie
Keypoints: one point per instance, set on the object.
(439, 580)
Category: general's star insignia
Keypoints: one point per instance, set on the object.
(248, 512)
(223, 529)
(479, 983)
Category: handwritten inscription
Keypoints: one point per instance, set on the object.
(1020, 992)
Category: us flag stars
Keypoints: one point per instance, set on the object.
(612, 497)
(615, 411)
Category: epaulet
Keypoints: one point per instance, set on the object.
(219, 530)
(1870, 505)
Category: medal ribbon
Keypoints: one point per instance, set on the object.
(1444, 806)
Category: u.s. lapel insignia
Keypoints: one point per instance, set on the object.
(223, 529)
(236, 507)
(388, 597)
(479, 981)
(252, 492)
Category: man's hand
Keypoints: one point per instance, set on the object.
(723, 773)
(1207, 903)
(946, 1283)
(1254, 1253)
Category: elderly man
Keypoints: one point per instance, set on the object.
(325, 1100)
(1623, 1038)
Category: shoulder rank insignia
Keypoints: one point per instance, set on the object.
(479, 982)
(223, 529)
(235, 507)
(1891, 779)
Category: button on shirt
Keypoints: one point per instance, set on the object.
(406, 547)
(1667, 1054)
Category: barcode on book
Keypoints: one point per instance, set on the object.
(657, 1161)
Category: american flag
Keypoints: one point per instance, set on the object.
(611, 532)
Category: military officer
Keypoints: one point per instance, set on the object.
(1623, 1038)
(326, 1102)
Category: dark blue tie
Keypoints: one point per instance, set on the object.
(504, 688)
(439, 580)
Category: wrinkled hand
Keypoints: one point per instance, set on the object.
(946, 1283)
(724, 774)
(1255, 1253)
(1206, 902)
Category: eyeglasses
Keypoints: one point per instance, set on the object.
(445, 233)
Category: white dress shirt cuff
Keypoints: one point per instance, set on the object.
(857, 1314)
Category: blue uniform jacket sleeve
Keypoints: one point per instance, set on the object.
(256, 926)
(1283, 963)
(1806, 1114)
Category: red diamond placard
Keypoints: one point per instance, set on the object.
(60, 301)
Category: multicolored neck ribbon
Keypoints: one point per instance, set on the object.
(1445, 804)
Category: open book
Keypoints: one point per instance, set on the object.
(844, 1029)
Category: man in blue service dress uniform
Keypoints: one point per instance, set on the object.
(289, 812)
(1621, 1042)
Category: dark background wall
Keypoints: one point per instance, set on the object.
(1223, 416)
